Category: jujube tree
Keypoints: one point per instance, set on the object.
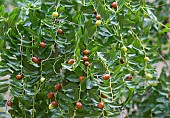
(76, 58)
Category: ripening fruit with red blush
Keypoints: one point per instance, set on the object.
(54, 103)
(71, 61)
(60, 31)
(101, 105)
(9, 103)
(57, 87)
(42, 44)
(106, 76)
(79, 105)
(86, 52)
(94, 12)
(103, 95)
(35, 59)
(19, 77)
(50, 95)
(85, 58)
(81, 78)
(38, 61)
(114, 5)
(122, 61)
(129, 78)
(98, 17)
(86, 63)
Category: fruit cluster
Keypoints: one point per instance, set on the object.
(85, 58)
(50, 95)
(105, 77)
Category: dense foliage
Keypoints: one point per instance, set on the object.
(63, 62)
(155, 102)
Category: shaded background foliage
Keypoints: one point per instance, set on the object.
(153, 101)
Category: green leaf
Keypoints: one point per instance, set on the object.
(91, 31)
(76, 95)
(88, 24)
(67, 67)
(85, 37)
(130, 94)
(165, 30)
(87, 9)
(70, 87)
(1, 44)
(93, 96)
(73, 78)
(105, 14)
(52, 35)
(83, 84)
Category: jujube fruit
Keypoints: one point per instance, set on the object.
(129, 77)
(149, 76)
(60, 31)
(101, 105)
(124, 49)
(50, 107)
(114, 5)
(57, 87)
(98, 17)
(86, 63)
(9, 103)
(94, 12)
(106, 76)
(103, 95)
(146, 59)
(35, 59)
(98, 22)
(50, 95)
(79, 105)
(39, 60)
(42, 44)
(122, 61)
(42, 79)
(54, 103)
(86, 52)
(81, 78)
(55, 14)
(71, 61)
(85, 58)
(19, 77)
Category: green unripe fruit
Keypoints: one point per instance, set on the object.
(149, 76)
(55, 14)
(124, 49)
(146, 59)
(98, 22)
(42, 79)
(50, 106)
